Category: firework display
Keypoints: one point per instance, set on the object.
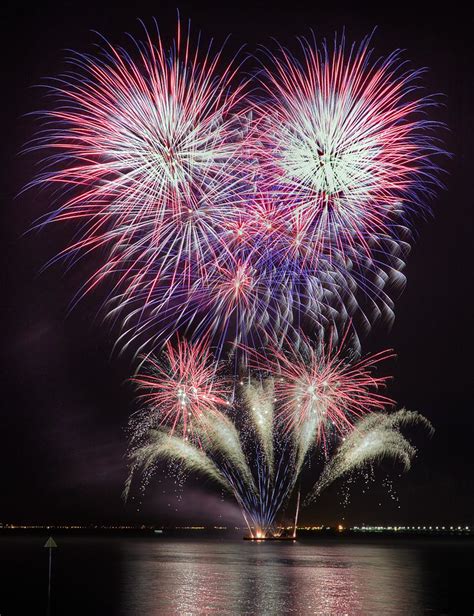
(233, 215)
(249, 232)
(256, 457)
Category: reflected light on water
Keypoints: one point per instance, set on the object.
(231, 577)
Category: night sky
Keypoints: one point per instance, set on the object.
(65, 396)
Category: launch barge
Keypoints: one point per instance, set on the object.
(270, 538)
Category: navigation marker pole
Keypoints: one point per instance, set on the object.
(50, 544)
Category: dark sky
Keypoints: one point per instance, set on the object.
(65, 400)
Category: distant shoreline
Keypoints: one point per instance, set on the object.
(231, 531)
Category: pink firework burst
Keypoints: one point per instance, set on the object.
(342, 142)
(147, 148)
(322, 386)
(182, 386)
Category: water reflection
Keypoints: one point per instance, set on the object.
(230, 577)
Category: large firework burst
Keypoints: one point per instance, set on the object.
(148, 147)
(343, 143)
(233, 217)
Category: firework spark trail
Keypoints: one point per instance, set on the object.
(215, 446)
(216, 432)
(259, 400)
(374, 437)
(258, 301)
(213, 454)
(305, 438)
(162, 445)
